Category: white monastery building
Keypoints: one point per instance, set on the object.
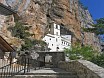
(55, 40)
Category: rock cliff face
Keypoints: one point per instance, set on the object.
(88, 38)
(41, 13)
(5, 22)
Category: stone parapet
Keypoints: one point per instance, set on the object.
(83, 68)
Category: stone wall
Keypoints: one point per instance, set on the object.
(56, 57)
(83, 68)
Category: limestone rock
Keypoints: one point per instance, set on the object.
(39, 14)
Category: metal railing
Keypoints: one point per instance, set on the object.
(20, 66)
(23, 65)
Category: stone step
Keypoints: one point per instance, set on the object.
(44, 76)
(46, 73)
(62, 73)
(41, 73)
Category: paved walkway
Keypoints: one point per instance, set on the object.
(48, 70)
(49, 73)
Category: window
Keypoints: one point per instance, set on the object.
(57, 47)
(56, 26)
(56, 39)
(62, 42)
(66, 43)
(52, 44)
(56, 33)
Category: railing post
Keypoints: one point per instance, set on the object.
(28, 64)
(14, 68)
(25, 65)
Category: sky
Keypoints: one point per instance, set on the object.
(96, 8)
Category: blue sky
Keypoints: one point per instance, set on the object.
(96, 7)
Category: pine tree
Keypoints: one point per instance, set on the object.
(22, 32)
(97, 28)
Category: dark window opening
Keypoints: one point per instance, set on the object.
(56, 26)
(57, 47)
(56, 33)
(56, 39)
(64, 42)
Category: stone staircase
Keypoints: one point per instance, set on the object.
(47, 73)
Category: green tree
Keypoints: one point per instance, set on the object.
(86, 53)
(22, 32)
(97, 28)
(80, 52)
(99, 60)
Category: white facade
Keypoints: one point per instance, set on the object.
(2, 20)
(66, 41)
(56, 41)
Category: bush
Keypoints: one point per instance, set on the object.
(99, 60)
(80, 52)
(86, 53)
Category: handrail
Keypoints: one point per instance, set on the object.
(21, 66)
(14, 68)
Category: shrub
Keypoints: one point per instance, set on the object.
(99, 60)
(80, 52)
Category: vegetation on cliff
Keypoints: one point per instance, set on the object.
(22, 32)
(97, 28)
(80, 52)
(99, 60)
(87, 52)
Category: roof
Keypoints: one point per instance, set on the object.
(5, 10)
(4, 45)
